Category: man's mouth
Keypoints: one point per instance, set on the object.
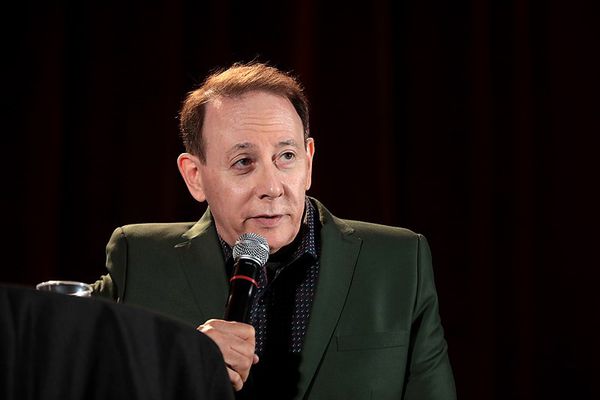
(267, 221)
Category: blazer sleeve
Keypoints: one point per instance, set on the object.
(112, 285)
(430, 375)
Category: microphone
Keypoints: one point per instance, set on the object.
(250, 254)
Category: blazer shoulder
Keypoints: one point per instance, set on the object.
(371, 230)
(155, 231)
(146, 243)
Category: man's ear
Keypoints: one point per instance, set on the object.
(189, 166)
(310, 152)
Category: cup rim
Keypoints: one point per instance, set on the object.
(86, 287)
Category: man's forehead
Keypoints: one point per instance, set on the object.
(251, 121)
(250, 97)
(254, 106)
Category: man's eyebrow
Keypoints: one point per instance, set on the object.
(289, 142)
(240, 146)
(248, 145)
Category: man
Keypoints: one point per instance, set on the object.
(345, 309)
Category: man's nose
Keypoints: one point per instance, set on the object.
(269, 183)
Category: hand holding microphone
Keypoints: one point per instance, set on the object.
(234, 336)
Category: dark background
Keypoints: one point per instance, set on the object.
(472, 122)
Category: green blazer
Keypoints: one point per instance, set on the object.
(374, 330)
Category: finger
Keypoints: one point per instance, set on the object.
(235, 379)
(239, 364)
(231, 345)
(237, 352)
(238, 355)
(228, 341)
(243, 348)
(240, 329)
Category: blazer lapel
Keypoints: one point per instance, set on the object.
(204, 267)
(339, 253)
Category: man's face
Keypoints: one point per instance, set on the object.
(257, 167)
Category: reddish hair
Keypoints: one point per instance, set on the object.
(234, 82)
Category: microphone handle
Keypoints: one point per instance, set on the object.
(243, 285)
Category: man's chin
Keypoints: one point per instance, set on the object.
(276, 240)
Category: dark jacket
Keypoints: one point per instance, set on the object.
(374, 330)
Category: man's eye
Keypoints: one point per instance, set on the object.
(242, 163)
(288, 156)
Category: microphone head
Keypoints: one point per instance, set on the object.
(251, 246)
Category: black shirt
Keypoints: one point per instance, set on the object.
(281, 309)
